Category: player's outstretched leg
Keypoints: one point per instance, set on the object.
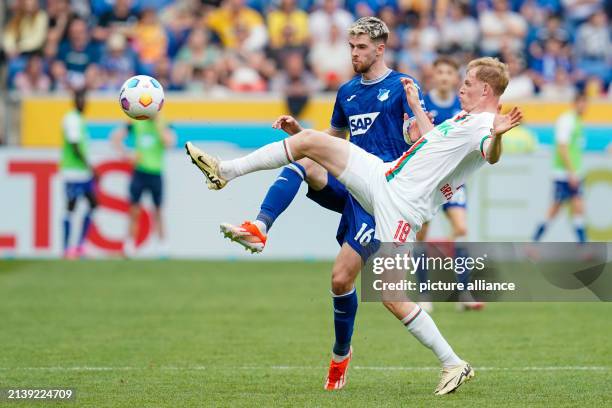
(331, 153)
(253, 235)
(455, 371)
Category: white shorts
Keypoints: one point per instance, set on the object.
(364, 177)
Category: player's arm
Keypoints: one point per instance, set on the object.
(563, 129)
(422, 120)
(117, 140)
(291, 126)
(168, 137)
(72, 129)
(492, 146)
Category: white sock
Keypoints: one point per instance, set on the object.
(262, 227)
(339, 359)
(420, 324)
(270, 156)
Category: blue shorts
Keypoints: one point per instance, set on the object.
(74, 190)
(458, 200)
(563, 191)
(141, 182)
(356, 225)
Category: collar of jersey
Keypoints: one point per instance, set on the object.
(442, 102)
(375, 80)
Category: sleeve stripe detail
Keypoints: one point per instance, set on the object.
(482, 145)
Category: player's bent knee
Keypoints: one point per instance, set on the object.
(342, 282)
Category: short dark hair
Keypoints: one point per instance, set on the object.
(446, 60)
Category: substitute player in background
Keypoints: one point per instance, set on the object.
(371, 107)
(567, 165)
(78, 173)
(406, 192)
(151, 138)
(442, 103)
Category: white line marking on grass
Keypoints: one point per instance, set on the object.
(247, 368)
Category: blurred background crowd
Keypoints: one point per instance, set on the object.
(297, 47)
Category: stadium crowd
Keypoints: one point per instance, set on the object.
(297, 47)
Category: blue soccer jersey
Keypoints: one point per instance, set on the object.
(440, 109)
(373, 113)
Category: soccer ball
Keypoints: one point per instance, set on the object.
(141, 97)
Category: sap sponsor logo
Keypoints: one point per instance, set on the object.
(362, 123)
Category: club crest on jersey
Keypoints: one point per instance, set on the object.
(361, 123)
(383, 94)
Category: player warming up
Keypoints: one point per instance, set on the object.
(78, 173)
(406, 191)
(373, 108)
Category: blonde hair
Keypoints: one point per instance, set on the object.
(491, 71)
(373, 27)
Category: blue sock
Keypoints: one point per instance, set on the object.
(66, 231)
(345, 310)
(461, 252)
(579, 228)
(85, 229)
(539, 232)
(281, 193)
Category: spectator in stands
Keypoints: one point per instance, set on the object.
(59, 76)
(459, 30)
(560, 89)
(121, 18)
(330, 14)
(59, 14)
(117, 62)
(149, 40)
(162, 71)
(33, 79)
(331, 61)
(593, 49)
(78, 53)
(179, 18)
(234, 19)
(501, 28)
(419, 49)
(577, 11)
(389, 15)
(521, 85)
(554, 58)
(296, 83)
(26, 31)
(198, 52)
(287, 17)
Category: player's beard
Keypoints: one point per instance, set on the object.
(363, 67)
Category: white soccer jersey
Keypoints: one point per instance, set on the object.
(428, 174)
(411, 190)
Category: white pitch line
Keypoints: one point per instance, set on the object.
(247, 368)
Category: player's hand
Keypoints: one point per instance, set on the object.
(412, 92)
(288, 124)
(573, 181)
(503, 123)
(411, 130)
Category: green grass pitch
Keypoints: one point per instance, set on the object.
(192, 334)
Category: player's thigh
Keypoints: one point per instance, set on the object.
(363, 177)
(392, 226)
(357, 229)
(136, 187)
(457, 216)
(316, 175)
(156, 186)
(421, 235)
(330, 152)
(333, 196)
(345, 270)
